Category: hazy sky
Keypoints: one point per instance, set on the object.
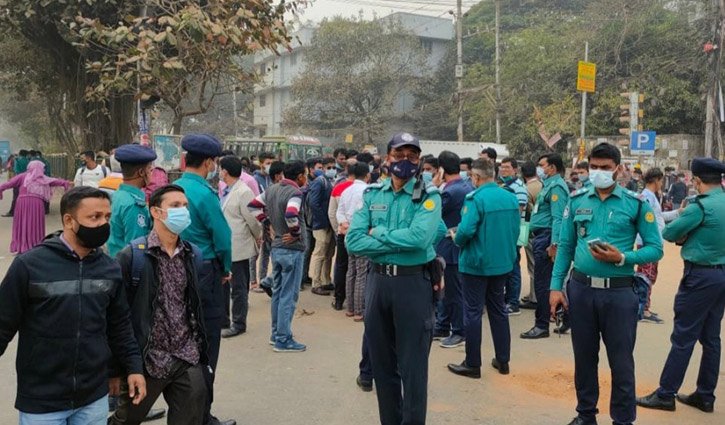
(321, 9)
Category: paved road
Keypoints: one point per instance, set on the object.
(259, 387)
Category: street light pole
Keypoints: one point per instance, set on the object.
(498, 74)
(459, 65)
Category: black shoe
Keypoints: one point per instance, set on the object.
(463, 370)
(581, 421)
(535, 333)
(337, 306)
(562, 330)
(502, 368)
(439, 335)
(364, 385)
(8, 214)
(154, 414)
(320, 291)
(267, 290)
(328, 287)
(215, 421)
(695, 400)
(527, 305)
(654, 401)
(232, 332)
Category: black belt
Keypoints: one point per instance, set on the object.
(602, 282)
(393, 270)
(704, 266)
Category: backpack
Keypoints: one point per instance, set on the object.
(138, 261)
(104, 170)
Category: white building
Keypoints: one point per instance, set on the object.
(274, 94)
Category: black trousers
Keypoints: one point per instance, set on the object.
(212, 300)
(184, 391)
(236, 295)
(612, 315)
(543, 267)
(340, 274)
(399, 322)
(309, 247)
(16, 192)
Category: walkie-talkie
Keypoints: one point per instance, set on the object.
(419, 187)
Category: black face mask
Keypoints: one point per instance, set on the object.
(93, 237)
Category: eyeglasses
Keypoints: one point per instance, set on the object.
(411, 156)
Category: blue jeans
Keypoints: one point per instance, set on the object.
(513, 284)
(95, 413)
(286, 277)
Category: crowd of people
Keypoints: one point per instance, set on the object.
(414, 246)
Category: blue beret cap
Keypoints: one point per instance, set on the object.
(135, 154)
(707, 166)
(403, 139)
(202, 144)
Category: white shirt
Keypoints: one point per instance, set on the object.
(661, 217)
(90, 177)
(351, 201)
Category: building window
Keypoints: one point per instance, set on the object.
(427, 45)
(293, 59)
(262, 100)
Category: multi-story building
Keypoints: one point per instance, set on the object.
(274, 93)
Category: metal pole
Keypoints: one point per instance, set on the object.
(582, 130)
(459, 67)
(498, 75)
(234, 106)
(139, 112)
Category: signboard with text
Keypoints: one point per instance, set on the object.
(586, 77)
(642, 143)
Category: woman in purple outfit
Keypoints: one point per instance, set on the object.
(29, 218)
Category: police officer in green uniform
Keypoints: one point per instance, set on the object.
(700, 300)
(211, 233)
(130, 217)
(397, 228)
(545, 228)
(598, 232)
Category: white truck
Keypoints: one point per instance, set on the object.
(462, 149)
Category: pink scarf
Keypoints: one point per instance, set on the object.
(36, 182)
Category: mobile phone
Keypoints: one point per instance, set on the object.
(597, 243)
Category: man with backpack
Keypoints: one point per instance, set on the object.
(91, 173)
(160, 273)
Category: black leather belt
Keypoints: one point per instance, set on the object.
(393, 270)
(602, 282)
(704, 266)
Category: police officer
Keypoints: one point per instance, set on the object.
(700, 300)
(130, 217)
(599, 228)
(545, 228)
(397, 228)
(487, 235)
(211, 233)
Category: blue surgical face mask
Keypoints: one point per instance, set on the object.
(331, 173)
(404, 169)
(319, 173)
(177, 219)
(601, 179)
(464, 175)
(540, 173)
(427, 176)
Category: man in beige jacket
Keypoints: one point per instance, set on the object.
(246, 231)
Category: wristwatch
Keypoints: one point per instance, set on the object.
(621, 262)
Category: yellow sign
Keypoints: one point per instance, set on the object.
(586, 77)
(348, 138)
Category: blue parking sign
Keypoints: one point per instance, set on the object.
(642, 143)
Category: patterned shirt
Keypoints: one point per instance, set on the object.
(172, 336)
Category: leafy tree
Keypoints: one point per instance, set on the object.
(355, 72)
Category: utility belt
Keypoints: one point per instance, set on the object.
(602, 282)
(393, 270)
(692, 265)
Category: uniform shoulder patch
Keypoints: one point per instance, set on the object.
(579, 192)
(430, 189)
(429, 205)
(554, 197)
(470, 195)
(371, 187)
(649, 217)
(634, 195)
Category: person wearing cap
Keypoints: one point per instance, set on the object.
(598, 231)
(130, 217)
(398, 228)
(209, 231)
(700, 299)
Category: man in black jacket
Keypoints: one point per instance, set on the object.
(162, 287)
(66, 300)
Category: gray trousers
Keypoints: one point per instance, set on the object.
(529, 249)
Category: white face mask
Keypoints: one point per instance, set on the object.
(601, 179)
(266, 169)
(540, 173)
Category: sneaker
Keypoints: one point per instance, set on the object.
(272, 341)
(291, 346)
(439, 335)
(652, 318)
(453, 341)
(513, 311)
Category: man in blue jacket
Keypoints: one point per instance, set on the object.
(319, 202)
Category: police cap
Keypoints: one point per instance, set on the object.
(134, 154)
(403, 139)
(203, 145)
(707, 167)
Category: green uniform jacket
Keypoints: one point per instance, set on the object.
(704, 228)
(488, 232)
(209, 229)
(21, 165)
(404, 233)
(616, 221)
(130, 218)
(549, 207)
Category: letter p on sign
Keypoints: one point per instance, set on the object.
(642, 143)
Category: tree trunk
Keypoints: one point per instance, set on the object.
(177, 123)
